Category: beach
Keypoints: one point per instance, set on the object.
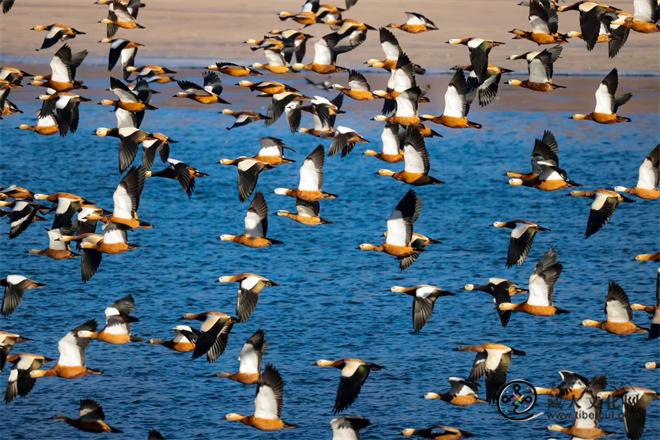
(204, 31)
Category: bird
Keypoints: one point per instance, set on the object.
(591, 17)
(130, 139)
(19, 382)
(486, 88)
(47, 124)
(113, 240)
(391, 139)
(270, 155)
(249, 371)
(56, 32)
(402, 78)
(16, 192)
(354, 32)
(647, 181)
(607, 103)
(392, 50)
(128, 100)
(122, 50)
(7, 107)
(132, 6)
(7, 342)
(311, 179)
(12, 76)
(587, 408)
(645, 16)
(541, 288)
(155, 435)
(325, 56)
(213, 335)
(492, 361)
(437, 432)
(307, 213)
(424, 298)
(271, 151)
(57, 248)
(348, 427)
(249, 289)
(181, 172)
(456, 105)
(635, 400)
(14, 287)
(256, 226)
(501, 290)
(358, 88)
(183, 341)
(234, 70)
(399, 241)
(416, 162)
(118, 321)
(462, 393)
(618, 314)
(546, 174)
(415, 23)
(549, 178)
(209, 94)
(151, 71)
(295, 43)
(604, 204)
(7, 5)
(249, 169)
(344, 141)
(478, 49)
(92, 418)
(126, 200)
(540, 68)
(648, 257)
(406, 104)
(72, 362)
(324, 113)
(267, 404)
(354, 373)
(119, 17)
(544, 22)
(289, 104)
(571, 387)
(243, 118)
(66, 111)
(22, 215)
(63, 67)
(522, 236)
(275, 62)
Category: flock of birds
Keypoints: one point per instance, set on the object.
(403, 140)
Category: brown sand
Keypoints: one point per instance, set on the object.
(202, 31)
(196, 33)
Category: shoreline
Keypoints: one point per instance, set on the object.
(578, 97)
(98, 63)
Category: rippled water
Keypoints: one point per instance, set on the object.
(334, 301)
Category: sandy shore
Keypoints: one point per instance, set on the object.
(179, 35)
(202, 31)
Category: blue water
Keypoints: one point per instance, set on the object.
(334, 301)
